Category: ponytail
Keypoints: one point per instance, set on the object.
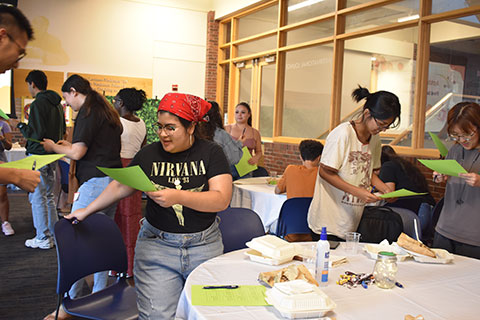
(94, 102)
(382, 105)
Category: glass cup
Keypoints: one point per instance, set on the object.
(272, 179)
(351, 245)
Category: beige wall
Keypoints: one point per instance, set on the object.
(161, 40)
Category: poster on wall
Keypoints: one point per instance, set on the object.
(67, 111)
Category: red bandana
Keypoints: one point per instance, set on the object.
(186, 106)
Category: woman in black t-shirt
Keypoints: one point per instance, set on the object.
(180, 230)
(96, 142)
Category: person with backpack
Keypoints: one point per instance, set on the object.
(352, 150)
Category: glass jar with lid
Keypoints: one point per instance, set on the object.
(385, 270)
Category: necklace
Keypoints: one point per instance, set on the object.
(460, 200)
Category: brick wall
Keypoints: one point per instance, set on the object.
(277, 156)
(212, 57)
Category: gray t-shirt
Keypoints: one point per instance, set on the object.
(460, 216)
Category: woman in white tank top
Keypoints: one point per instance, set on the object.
(133, 138)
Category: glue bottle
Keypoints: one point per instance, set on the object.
(323, 254)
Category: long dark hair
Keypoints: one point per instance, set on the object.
(413, 173)
(246, 105)
(94, 101)
(207, 129)
(382, 105)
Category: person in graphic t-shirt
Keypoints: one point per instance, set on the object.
(352, 150)
(180, 229)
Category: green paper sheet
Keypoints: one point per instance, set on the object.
(243, 167)
(34, 140)
(253, 295)
(400, 193)
(134, 177)
(4, 115)
(27, 163)
(439, 144)
(448, 167)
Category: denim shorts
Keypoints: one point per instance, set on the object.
(163, 262)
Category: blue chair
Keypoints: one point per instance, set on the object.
(293, 217)
(90, 246)
(408, 218)
(238, 226)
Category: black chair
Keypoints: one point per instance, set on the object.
(93, 245)
(293, 217)
(260, 172)
(238, 226)
(409, 218)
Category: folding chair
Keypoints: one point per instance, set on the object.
(293, 218)
(409, 218)
(238, 226)
(93, 245)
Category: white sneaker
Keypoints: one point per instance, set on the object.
(7, 228)
(41, 244)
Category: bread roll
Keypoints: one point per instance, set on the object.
(408, 243)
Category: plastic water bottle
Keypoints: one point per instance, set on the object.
(323, 255)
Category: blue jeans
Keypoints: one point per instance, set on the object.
(163, 262)
(89, 191)
(44, 209)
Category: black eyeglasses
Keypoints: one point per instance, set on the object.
(382, 126)
(22, 53)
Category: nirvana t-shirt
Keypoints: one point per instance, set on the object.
(187, 170)
(331, 207)
(103, 142)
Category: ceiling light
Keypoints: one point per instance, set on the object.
(303, 4)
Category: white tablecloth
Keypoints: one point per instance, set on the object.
(436, 291)
(15, 154)
(261, 198)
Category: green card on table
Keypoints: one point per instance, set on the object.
(253, 295)
(439, 144)
(400, 193)
(243, 167)
(27, 163)
(449, 167)
(134, 177)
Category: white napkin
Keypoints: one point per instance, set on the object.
(294, 287)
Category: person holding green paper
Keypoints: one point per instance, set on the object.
(180, 229)
(96, 142)
(457, 230)
(243, 131)
(46, 121)
(351, 153)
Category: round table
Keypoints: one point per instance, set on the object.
(436, 291)
(256, 194)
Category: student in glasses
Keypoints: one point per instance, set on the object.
(351, 153)
(459, 221)
(180, 229)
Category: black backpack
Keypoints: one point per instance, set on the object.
(378, 223)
